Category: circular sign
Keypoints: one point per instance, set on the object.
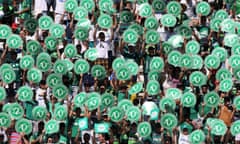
(25, 93)
(5, 120)
(226, 85)
(39, 113)
(52, 126)
(235, 128)
(31, 25)
(60, 113)
(88, 4)
(125, 104)
(70, 5)
(23, 126)
(60, 91)
(169, 121)
(152, 37)
(3, 94)
(215, 24)
(91, 54)
(80, 99)
(197, 78)
(81, 34)
(197, 136)
(26, 62)
(126, 16)
(105, 21)
(116, 114)
(218, 127)
(221, 14)
(236, 73)
(60, 67)
(117, 63)
(212, 62)
(123, 73)
(151, 23)
(98, 71)
(130, 36)
(34, 75)
(70, 51)
(84, 23)
(8, 76)
(221, 53)
(81, 66)
(153, 87)
(5, 66)
(132, 66)
(234, 61)
(203, 8)
(104, 5)
(158, 5)
(93, 101)
(167, 47)
(174, 7)
(222, 74)
(136, 88)
(166, 103)
(44, 62)
(51, 43)
(5, 31)
(33, 47)
(168, 20)
(174, 58)
(57, 30)
(107, 100)
(186, 61)
(16, 111)
(188, 99)
(174, 93)
(228, 25)
(236, 50)
(211, 99)
(236, 102)
(185, 31)
(14, 41)
(145, 10)
(231, 40)
(79, 13)
(133, 114)
(157, 63)
(144, 129)
(153, 75)
(138, 28)
(192, 47)
(45, 22)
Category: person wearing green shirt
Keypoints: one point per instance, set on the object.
(24, 12)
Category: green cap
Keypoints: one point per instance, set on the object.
(211, 99)
(25, 93)
(144, 129)
(23, 126)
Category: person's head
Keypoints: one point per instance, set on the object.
(43, 84)
(40, 126)
(87, 87)
(204, 89)
(86, 137)
(78, 111)
(13, 55)
(53, 99)
(185, 131)
(1, 138)
(131, 48)
(151, 51)
(101, 36)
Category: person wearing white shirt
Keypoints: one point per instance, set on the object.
(59, 10)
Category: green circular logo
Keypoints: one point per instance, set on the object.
(26, 62)
(79, 13)
(88, 4)
(5, 120)
(186, 61)
(221, 53)
(44, 62)
(105, 21)
(222, 74)
(126, 16)
(52, 126)
(203, 8)
(116, 114)
(166, 103)
(145, 10)
(84, 23)
(174, 8)
(211, 99)
(236, 102)
(3, 94)
(5, 66)
(8, 76)
(226, 85)
(197, 62)
(91, 54)
(197, 78)
(60, 91)
(136, 88)
(236, 73)
(104, 5)
(16, 111)
(81, 66)
(125, 104)
(39, 113)
(80, 99)
(152, 37)
(185, 31)
(5, 31)
(123, 73)
(176, 41)
(60, 67)
(168, 20)
(132, 66)
(23, 126)
(192, 47)
(174, 58)
(188, 99)
(31, 25)
(153, 87)
(221, 14)
(107, 100)
(45, 22)
(60, 113)
(133, 114)
(228, 25)
(231, 40)
(81, 34)
(167, 47)
(218, 127)
(33, 47)
(93, 101)
(57, 30)
(153, 75)
(14, 41)
(70, 51)
(212, 62)
(98, 71)
(158, 5)
(234, 61)
(54, 79)
(25, 93)
(130, 36)
(144, 129)
(197, 136)
(168, 121)
(51, 43)
(236, 50)
(235, 128)
(174, 93)
(151, 23)
(34, 75)
(70, 5)
(215, 24)
(136, 27)
(157, 63)
(117, 63)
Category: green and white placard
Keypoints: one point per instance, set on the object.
(23, 126)
(235, 128)
(60, 91)
(174, 58)
(93, 101)
(125, 104)
(222, 74)
(153, 87)
(39, 113)
(168, 121)
(192, 47)
(5, 31)
(45, 22)
(203, 8)
(81, 66)
(168, 20)
(16, 111)
(145, 10)
(130, 36)
(226, 85)
(221, 53)
(166, 103)
(70, 5)
(211, 99)
(25, 93)
(80, 99)
(197, 137)
(188, 99)
(116, 114)
(60, 113)
(26, 62)
(133, 114)
(14, 41)
(212, 62)
(157, 63)
(197, 78)
(174, 93)
(51, 126)
(174, 7)
(144, 129)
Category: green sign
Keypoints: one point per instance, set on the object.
(167, 47)
(126, 16)
(14, 41)
(31, 25)
(145, 10)
(60, 67)
(211, 99)
(51, 43)
(203, 8)
(5, 31)
(197, 137)
(168, 121)
(158, 5)
(174, 93)
(125, 104)
(70, 5)
(51, 126)
(53, 80)
(188, 99)
(23, 126)
(174, 7)
(116, 114)
(91, 54)
(132, 66)
(228, 25)
(218, 127)
(231, 40)
(212, 62)
(221, 53)
(80, 99)
(192, 47)
(45, 22)
(89, 5)
(174, 58)
(236, 102)
(168, 20)
(222, 74)
(234, 61)
(101, 127)
(157, 63)
(57, 30)
(117, 63)
(148, 107)
(185, 31)
(136, 88)
(34, 75)
(81, 33)
(153, 75)
(25, 93)
(70, 51)
(8, 76)
(5, 120)
(3, 94)
(39, 113)
(130, 36)
(235, 128)
(98, 71)
(105, 21)
(221, 14)
(153, 87)
(33, 47)
(93, 101)
(60, 91)
(60, 113)
(83, 123)
(186, 61)
(137, 27)
(84, 23)
(107, 100)
(151, 23)
(152, 37)
(197, 78)
(226, 85)
(133, 114)
(236, 73)
(26, 62)
(215, 24)
(236, 50)
(166, 103)
(44, 62)
(81, 66)
(123, 73)
(79, 13)
(16, 111)
(144, 129)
